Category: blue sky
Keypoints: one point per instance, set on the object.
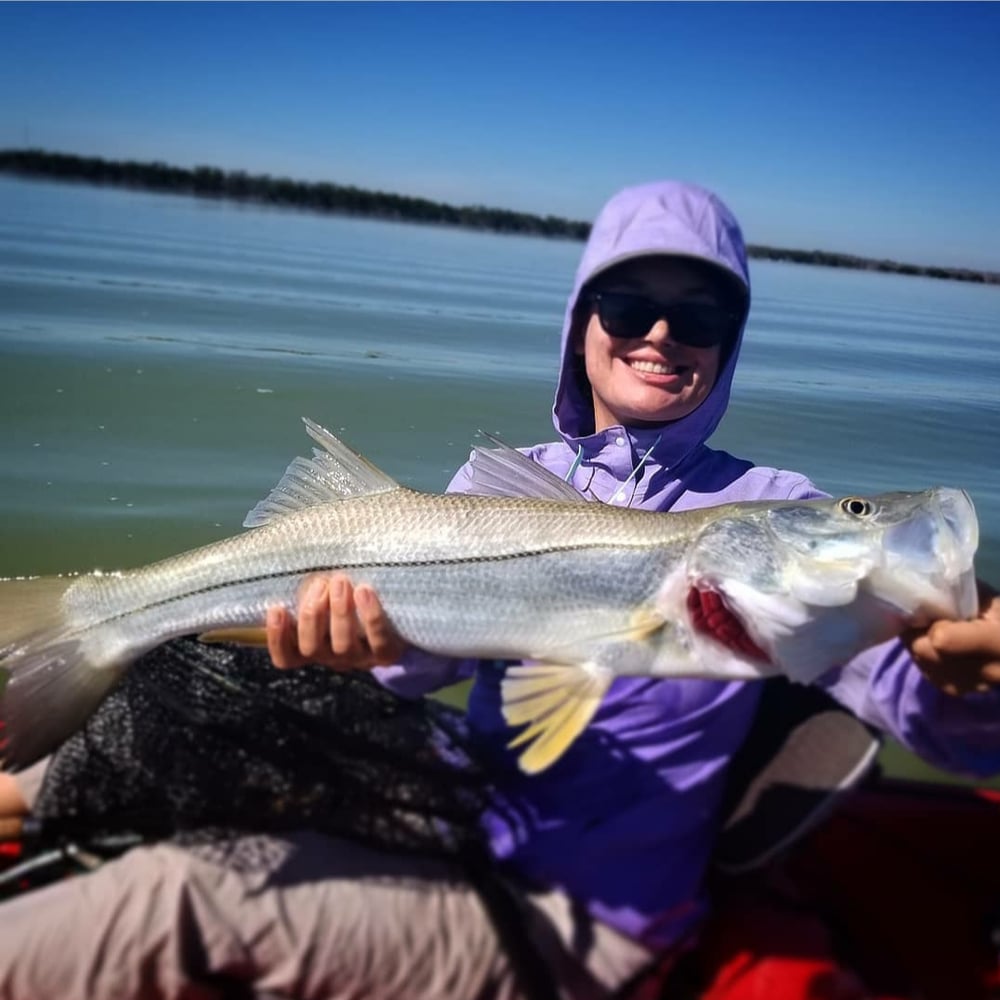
(866, 128)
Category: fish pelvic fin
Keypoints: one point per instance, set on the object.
(49, 680)
(335, 472)
(249, 636)
(555, 702)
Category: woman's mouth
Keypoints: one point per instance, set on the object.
(656, 367)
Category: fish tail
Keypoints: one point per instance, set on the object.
(52, 675)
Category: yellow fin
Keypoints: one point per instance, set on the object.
(558, 701)
(250, 636)
(533, 707)
(645, 621)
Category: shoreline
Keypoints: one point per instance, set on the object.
(336, 199)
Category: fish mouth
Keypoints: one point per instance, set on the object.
(929, 572)
(955, 600)
(711, 616)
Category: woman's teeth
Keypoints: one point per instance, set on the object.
(655, 367)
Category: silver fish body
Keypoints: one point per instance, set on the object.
(586, 590)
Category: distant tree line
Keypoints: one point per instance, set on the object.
(211, 182)
(237, 185)
(825, 258)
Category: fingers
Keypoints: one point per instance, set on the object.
(958, 676)
(346, 640)
(335, 625)
(383, 640)
(282, 644)
(959, 657)
(976, 638)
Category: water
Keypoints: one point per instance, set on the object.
(157, 352)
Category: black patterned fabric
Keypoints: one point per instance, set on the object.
(199, 737)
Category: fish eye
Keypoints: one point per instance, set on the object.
(857, 506)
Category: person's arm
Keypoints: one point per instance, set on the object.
(937, 691)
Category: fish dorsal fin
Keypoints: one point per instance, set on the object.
(556, 701)
(335, 472)
(502, 471)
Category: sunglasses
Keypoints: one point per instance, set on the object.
(695, 324)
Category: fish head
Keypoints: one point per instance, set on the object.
(928, 545)
(812, 583)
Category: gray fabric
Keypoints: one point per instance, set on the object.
(303, 916)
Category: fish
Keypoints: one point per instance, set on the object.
(523, 568)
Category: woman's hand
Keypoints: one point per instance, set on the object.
(960, 657)
(337, 625)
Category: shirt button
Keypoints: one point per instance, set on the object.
(620, 441)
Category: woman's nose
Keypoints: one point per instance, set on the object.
(659, 331)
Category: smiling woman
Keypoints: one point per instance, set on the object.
(654, 339)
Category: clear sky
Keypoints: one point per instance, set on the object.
(865, 128)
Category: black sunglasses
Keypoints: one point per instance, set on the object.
(696, 324)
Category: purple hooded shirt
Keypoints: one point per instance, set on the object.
(625, 821)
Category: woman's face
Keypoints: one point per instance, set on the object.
(652, 378)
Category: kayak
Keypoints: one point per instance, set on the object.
(895, 894)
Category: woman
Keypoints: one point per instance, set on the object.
(624, 823)
(610, 844)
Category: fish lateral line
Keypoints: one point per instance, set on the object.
(348, 567)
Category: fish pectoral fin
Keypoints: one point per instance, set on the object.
(556, 701)
(252, 635)
(644, 623)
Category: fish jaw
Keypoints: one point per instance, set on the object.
(928, 570)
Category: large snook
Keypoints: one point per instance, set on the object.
(586, 590)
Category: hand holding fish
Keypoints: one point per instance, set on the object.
(336, 626)
(962, 656)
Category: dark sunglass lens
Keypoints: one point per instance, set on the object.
(699, 324)
(627, 316)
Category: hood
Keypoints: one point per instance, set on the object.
(677, 220)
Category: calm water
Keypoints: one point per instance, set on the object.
(156, 354)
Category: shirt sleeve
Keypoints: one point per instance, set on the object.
(885, 688)
(419, 672)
